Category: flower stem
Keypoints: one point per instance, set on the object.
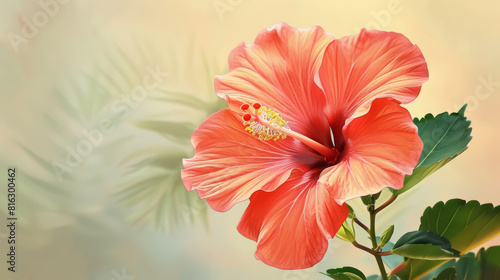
(387, 203)
(398, 268)
(364, 248)
(373, 238)
(361, 225)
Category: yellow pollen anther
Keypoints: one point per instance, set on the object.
(263, 127)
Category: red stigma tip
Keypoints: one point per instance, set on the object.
(247, 117)
(244, 107)
(256, 106)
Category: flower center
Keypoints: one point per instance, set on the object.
(266, 124)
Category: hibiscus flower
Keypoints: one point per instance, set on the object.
(312, 122)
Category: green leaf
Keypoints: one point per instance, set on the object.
(431, 275)
(468, 268)
(425, 252)
(419, 174)
(484, 266)
(424, 245)
(378, 277)
(465, 225)
(345, 273)
(490, 262)
(447, 274)
(444, 137)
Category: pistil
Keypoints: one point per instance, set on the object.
(266, 124)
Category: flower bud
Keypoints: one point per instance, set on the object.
(386, 236)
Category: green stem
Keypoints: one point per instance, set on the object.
(373, 238)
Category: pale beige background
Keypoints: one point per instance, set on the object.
(75, 228)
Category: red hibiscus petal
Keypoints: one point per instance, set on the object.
(373, 64)
(277, 71)
(381, 148)
(286, 222)
(230, 164)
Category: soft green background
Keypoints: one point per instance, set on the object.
(91, 54)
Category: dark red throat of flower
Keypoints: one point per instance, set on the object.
(266, 124)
